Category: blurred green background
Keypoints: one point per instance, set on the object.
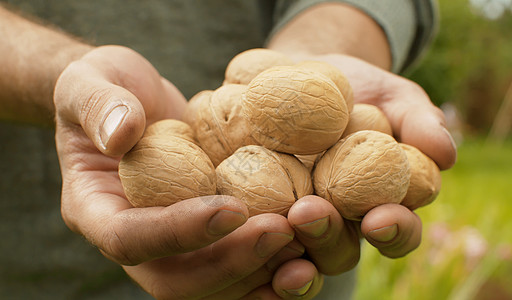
(466, 252)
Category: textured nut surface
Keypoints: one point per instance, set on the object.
(162, 170)
(169, 128)
(367, 117)
(219, 125)
(196, 102)
(246, 65)
(267, 181)
(294, 110)
(335, 75)
(362, 171)
(425, 179)
(308, 160)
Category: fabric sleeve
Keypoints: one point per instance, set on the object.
(409, 25)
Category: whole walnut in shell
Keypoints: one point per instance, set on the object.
(294, 110)
(246, 65)
(362, 171)
(163, 169)
(425, 179)
(367, 117)
(218, 125)
(267, 181)
(171, 127)
(335, 75)
(193, 105)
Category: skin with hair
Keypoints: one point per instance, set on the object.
(207, 247)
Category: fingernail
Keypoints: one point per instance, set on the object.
(225, 221)
(271, 242)
(450, 137)
(300, 291)
(114, 118)
(384, 234)
(314, 229)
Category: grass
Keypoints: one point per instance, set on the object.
(466, 252)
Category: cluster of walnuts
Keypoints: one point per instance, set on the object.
(276, 131)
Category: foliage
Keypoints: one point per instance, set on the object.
(469, 62)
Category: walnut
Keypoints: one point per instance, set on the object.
(367, 117)
(362, 171)
(218, 124)
(425, 179)
(164, 168)
(335, 75)
(267, 181)
(294, 110)
(246, 65)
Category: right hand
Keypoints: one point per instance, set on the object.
(103, 103)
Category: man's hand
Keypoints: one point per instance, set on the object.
(103, 103)
(347, 38)
(392, 228)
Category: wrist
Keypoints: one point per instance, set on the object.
(334, 28)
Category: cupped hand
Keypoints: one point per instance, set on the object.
(331, 242)
(415, 120)
(103, 103)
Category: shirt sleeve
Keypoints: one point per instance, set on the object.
(409, 25)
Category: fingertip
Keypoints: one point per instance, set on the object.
(427, 133)
(309, 209)
(393, 229)
(297, 279)
(121, 126)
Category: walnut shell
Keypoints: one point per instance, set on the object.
(367, 117)
(190, 113)
(162, 170)
(267, 181)
(294, 110)
(308, 160)
(425, 179)
(335, 75)
(246, 65)
(171, 127)
(362, 171)
(219, 126)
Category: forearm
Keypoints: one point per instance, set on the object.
(334, 28)
(32, 57)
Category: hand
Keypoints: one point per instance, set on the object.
(103, 102)
(331, 242)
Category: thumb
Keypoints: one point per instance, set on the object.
(111, 116)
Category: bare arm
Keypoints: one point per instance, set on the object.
(334, 28)
(32, 57)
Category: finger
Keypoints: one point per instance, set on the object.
(110, 92)
(132, 235)
(393, 229)
(263, 292)
(332, 244)
(417, 122)
(297, 279)
(219, 265)
(263, 275)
